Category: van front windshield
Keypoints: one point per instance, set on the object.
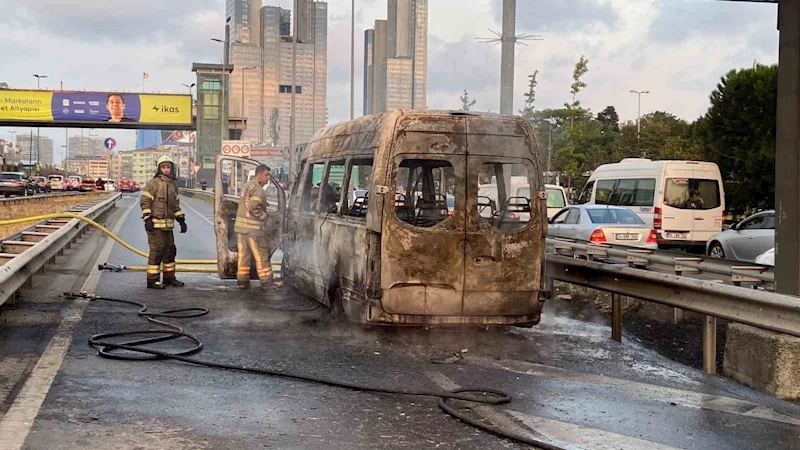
(692, 193)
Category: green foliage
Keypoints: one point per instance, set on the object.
(466, 103)
(609, 118)
(530, 96)
(738, 133)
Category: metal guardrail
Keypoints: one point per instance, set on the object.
(38, 197)
(678, 263)
(26, 252)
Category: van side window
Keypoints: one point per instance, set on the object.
(425, 191)
(626, 192)
(312, 185)
(331, 189)
(504, 195)
(358, 188)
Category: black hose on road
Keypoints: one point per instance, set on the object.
(135, 352)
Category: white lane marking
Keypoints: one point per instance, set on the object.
(186, 204)
(495, 416)
(16, 424)
(646, 391)
(576, 436)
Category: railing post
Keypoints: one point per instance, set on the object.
(710, 345)
(677, 315)
(616, 317)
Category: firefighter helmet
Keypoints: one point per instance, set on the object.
(165, 159)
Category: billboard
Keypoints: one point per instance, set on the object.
(98, 109)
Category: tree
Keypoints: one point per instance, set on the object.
(466, 103)
(609, 118)
(738, 133)
(581, 67)
(530, 96)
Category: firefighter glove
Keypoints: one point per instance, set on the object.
(184, 228)
(148, 224)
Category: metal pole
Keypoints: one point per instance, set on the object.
(294, 81)
(550, 144)
(243, 70)
(710, 345)
(787, 156)
(507, 61)
(352, 57)
(639, 121)
(616, 317)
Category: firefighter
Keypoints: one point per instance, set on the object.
(250, 220)
(160, 208)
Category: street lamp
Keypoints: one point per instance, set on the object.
(639, 115)
(190, 86)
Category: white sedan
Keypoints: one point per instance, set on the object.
(602, 225)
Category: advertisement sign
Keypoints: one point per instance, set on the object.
(123, 110)
(240, 149)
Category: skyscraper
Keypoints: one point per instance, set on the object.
(36, 148)
(396, 58)
(264, 70)
(245, 20)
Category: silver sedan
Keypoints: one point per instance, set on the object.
(745, 240)
(602, 225)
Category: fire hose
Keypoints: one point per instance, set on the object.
(108, 347)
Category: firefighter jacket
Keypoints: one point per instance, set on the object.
(252, 210)
(161, 203)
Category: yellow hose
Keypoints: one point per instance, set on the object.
(104, 230)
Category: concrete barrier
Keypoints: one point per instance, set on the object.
(766, 361)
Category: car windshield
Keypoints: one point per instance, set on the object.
(613, 216)
(10, 176)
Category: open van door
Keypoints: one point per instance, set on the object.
(231, 176)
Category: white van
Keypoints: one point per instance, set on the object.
(682, 200)
(556, 196)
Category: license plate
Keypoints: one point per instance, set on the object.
(677, 235)
(626, 237)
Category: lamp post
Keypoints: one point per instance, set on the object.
(38, 141)
(189, 86)
(639, 115)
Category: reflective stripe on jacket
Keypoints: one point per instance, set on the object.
(252, 209)
(161, 202)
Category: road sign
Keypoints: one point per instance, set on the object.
(38, 167)
(236, 148)
(110, 143)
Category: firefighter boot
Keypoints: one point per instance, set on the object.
(170, 280)
(244, 283)
(154, 284)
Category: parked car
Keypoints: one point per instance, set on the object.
(111, 186)
(42, 184)
(87, 184)
(136, 187)
(602, 225)
(767, 258)
(746, 240)
(58, 183)
(126, 185)
(75, 183)
(15, 183)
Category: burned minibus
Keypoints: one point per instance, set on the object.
(386, 223)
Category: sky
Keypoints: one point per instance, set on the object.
(676, 49)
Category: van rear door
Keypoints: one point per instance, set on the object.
(504, 251)
(422, 243)
(693, 203)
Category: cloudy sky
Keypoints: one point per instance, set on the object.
(676, 49)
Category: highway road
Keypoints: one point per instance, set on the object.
(569, 381)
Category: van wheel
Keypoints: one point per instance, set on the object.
(716, 251)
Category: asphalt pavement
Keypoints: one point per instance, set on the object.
(570, 382)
